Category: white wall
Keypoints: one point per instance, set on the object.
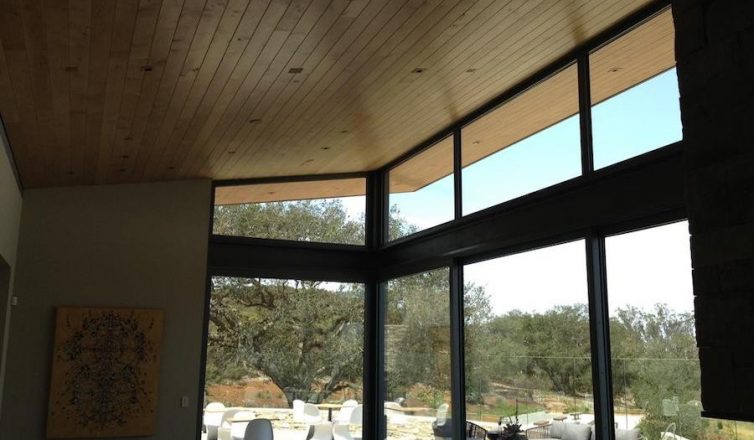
(122, 246)
(10, 216)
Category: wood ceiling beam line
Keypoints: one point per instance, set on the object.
(242, 78)
(222, 78)
(122, 150)
(285, 80)
(79, 30)
(324, 21)
(379, 46)
(165, 32)
(212, 14)
(180, 45)
(219, 61)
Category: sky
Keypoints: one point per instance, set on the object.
(644, 268)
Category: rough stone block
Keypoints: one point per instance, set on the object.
(706, 281)
(736, 278)
(689, 25)
(706, 198)
(717, 380)
(725, 17)
(723, 245)
(716, 322)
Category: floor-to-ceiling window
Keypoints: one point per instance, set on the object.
(655, 363)
(527, 344)
(417, 356)
(290, 351)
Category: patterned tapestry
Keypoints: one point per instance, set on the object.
(105, 370)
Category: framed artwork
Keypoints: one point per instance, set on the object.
(105, 371)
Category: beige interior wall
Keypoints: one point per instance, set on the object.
(10, 216)
(120, 246)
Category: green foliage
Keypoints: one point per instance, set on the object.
(306, 338)
(307, 220)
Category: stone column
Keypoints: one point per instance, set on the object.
(715, 60)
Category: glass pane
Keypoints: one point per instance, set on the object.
(656, 377)
(527, 144)
(329, 211)
(290, 351)
(635, 93)
(527, 345)
(417, 356)
(421, 191)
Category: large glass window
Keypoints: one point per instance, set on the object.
(527, 144)
(417, 356)
(527, 346)
(635, 93)
(329, 211)
(421, 190)
(655, 364)
(290, 351)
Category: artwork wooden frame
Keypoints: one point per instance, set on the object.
(105, 372)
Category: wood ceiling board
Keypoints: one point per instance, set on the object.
(277, 192)
(643, 53)
(221, 78)
(374, 59)
(145, 31)
(56, 23)
(79, 32)
(426, 167)
(263, 47)
(222, 48)
(541, 106)
(204, 33)
(416, 21)
(103, 14)
(126, 14)
(208, 46)
(181, 42)
(266, 91)
(371, 29)
(80, 106)
(163, 61)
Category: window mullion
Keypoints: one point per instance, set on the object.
(599, 321)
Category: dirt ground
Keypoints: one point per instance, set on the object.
(257, 392)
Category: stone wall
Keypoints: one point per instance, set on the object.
(715, 59)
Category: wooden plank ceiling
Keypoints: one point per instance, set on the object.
(96, 92)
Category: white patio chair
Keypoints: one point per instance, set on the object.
(238, 429)
(298, 411)
(223, 432)
(322, 431)
(212, 418)
(311, 414)
(350, 402)
(341, 431)
(394, 414)
(344, 415)
(357, 415)
(258, 429)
